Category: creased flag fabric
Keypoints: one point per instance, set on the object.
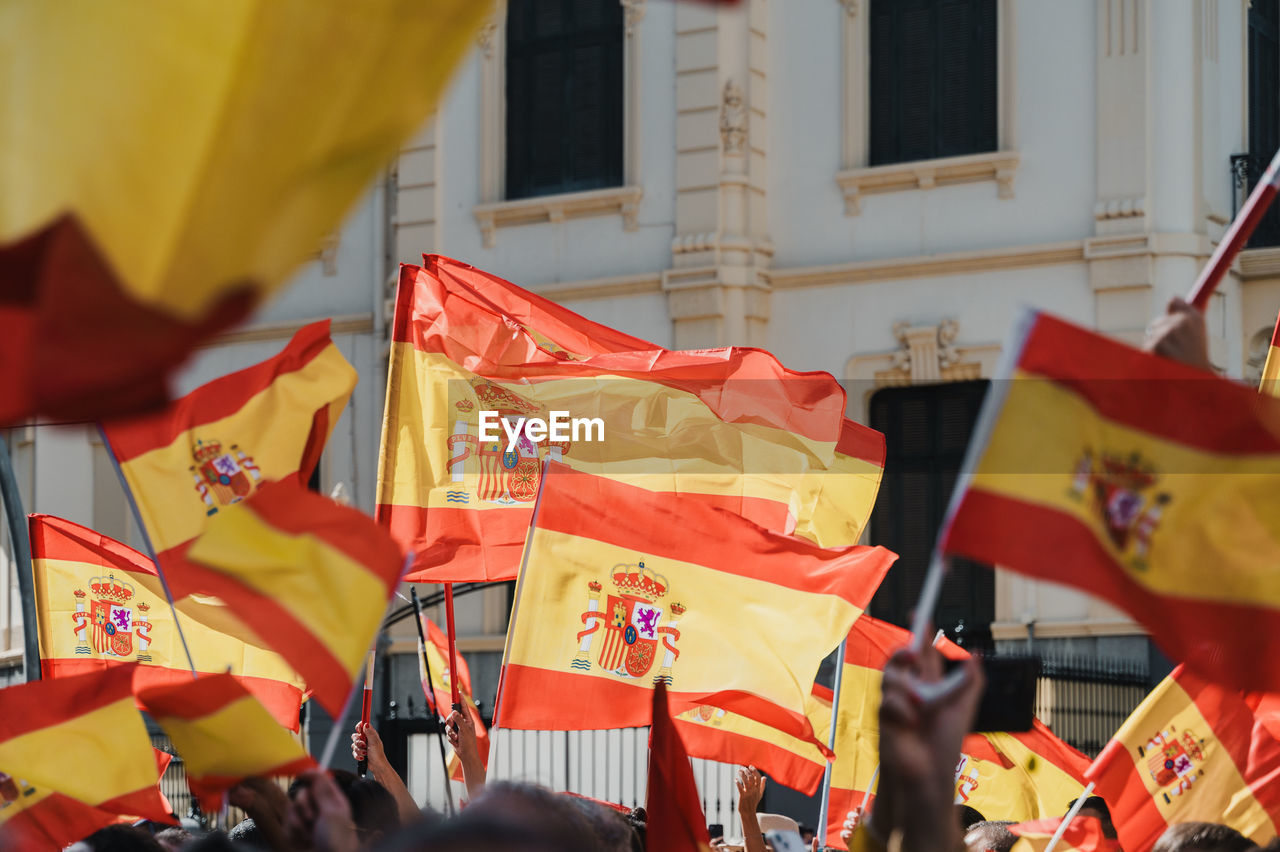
(439, 692)
(83, 737)
(224, 157)
(713, 733)
(1084, 834)
(99, 604)
(625, 588)
(223, 734)
(675, 820)
(731, 426)
(44, 821)
(1192, 751)
(1270, 382)
(309, 576)
(1004, 775)
(1127, 475)
(214, 446)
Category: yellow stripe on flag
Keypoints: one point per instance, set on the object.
(238, 739)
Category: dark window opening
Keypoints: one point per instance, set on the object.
(1264, 106)
(927, 430)
(564, 96)
(933, 79)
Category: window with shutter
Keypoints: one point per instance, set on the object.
(1264, 105)
(564, 96)
(933, 79)
(927, 430)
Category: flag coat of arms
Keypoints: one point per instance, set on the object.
(213, 447)
(625, 588)
(731, 426)
(100, 604)
(1127, 475)
(82, 737)
(1193, 751)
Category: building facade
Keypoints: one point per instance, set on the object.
(873, 188)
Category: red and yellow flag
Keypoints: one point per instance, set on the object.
(82, 737)
(612, 571)
(308, 575)
(1006, 775)
(1270, 383)
(1192, 751)
(439, 691)
(223, 735)
(100, 604)
(1084, 834)
(729, 426)
(223, 157)
(676, 822)
(1140, 480)
(219, 443)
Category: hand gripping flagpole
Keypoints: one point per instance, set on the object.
(366, 705)
(1242, 227)
(146, 541)
(453, 648)
(824, 802)
(431, 698)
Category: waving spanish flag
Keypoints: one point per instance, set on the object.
(1140, 480)
(1084, 834)
(1270, 383)
(82, 737)
(676, 822)
(730, 426)
(1192, 751)
(439, 690)
(217, 444)
(223, 154)
(626, 588)
(100, 604)
(309, 576)
(223, 734)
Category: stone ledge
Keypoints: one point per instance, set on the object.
(623, 200)
(998, 166)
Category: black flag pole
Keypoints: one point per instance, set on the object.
(431, 696)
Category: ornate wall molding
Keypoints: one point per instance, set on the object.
(733, 119)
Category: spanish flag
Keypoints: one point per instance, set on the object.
(439, 690)
(1192, 751)
(217, 444)
(223, 157)
(309, 576)
(100, 605)
(713, 733)
(82, 737)
(1084, 834)
(676, 822)
(223, 734)
(729, 426)
(1140, 480)
(1004, 775)
(625, 588)
(1270, 383)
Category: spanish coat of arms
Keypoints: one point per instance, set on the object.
(634, 634)
(1123, 493)
(110, 625)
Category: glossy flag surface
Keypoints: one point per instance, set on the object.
(1139, 480)
(732, 427)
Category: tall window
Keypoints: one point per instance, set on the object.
(933, 79)
(564, 96)
(926, 431)
(1264, 104)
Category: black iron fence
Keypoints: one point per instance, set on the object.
(1085, 699)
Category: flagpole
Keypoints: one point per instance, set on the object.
(1242, 227)
(823, 805)
(151, 551)
(1066, 820)
(453, 647)
(366, 704)
(866, 794)
(426, 665)
(21, 541)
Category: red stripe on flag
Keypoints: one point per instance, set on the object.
(219, 398)
(839, 803)
(46, 703)
(677, 528)
(55, 538)
(783, 765)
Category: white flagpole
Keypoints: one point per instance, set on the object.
(823, 805)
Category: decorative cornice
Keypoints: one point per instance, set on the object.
(850, 7)
(998, 166)
(624, 200)
(1120, 208)
(600, 288)
(733, 119)
(632, 15)
(1259, 263)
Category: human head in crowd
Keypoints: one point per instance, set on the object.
(373, 809)
(247, 834)
(990, 836)
(969, 816)
(118, 838)
(611, 829)
(1202, 837)
(173, 839)
(1096, 806)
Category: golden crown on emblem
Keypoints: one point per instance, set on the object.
(640, 581)
(111, 589)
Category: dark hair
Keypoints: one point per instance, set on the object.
(1202, 837)
(373, 808)
(996, 833)
(612, 830)
(969, 816)
(247, 833)
(122, 838)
